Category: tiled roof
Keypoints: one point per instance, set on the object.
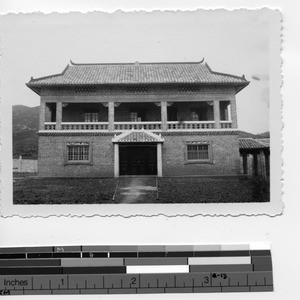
(265, 142)
(249, 143)
(138, 73)
(138, 136)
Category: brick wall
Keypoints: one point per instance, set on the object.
(53, 151)
(52, 148)
(225, 155)
(234, 117)
(225, 151)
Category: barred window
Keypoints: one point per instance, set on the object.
(195, 116)
(198, 152)
(78, 152)
(91, 117)
(134, 117)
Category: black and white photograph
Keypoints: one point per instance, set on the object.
(180, 109)
(149, 149)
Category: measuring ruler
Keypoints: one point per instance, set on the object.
(134, 269)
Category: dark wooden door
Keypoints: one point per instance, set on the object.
(138, 159)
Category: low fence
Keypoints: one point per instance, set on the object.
(25, 165)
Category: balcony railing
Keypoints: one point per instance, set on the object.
(226, 124)
(85, 126)
(191, 125)
(154, 126)
(49, 125)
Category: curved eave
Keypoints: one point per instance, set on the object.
(241, 86)
(37, 87)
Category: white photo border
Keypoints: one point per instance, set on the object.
(272, 208)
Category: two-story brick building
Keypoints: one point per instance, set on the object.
(161, 119)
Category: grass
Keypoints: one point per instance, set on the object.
(29, 189)
(63, 191)
(212, 190)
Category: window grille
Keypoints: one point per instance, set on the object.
(197, 152)
(85, 89)
(134, 117)
(136, 89)
(195, 116)
(189, 88)
(91, 117)
(78, 152)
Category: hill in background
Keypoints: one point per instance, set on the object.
(264, 135)
(26, 126)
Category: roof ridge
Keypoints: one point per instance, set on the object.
(137, 63)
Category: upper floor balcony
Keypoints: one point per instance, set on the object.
(154, 116)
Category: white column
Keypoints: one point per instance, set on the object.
(164, 116)
(159, 160)
(42, 115)
(116, 159)
(217, 114)
(233, 114)
(229, 112)
(58, 115)
(111, 116)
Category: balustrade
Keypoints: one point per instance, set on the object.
(226, 124)
(49, 125)
(152, 126)
(85, 126)
(122, 126)
(191, 125)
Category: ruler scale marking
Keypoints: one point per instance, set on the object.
(135, 269)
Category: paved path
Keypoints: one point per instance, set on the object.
(136, 190)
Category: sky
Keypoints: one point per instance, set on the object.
(234, 42)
